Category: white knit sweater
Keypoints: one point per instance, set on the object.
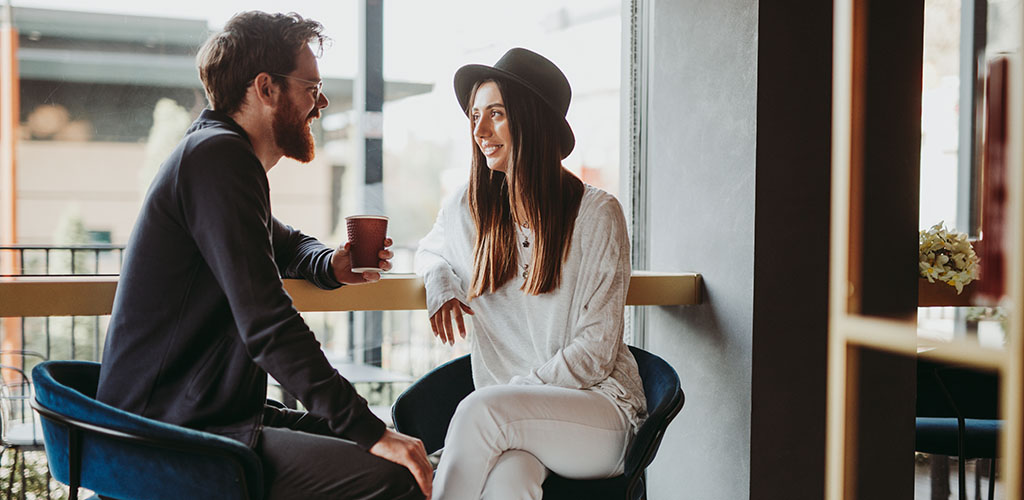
(570, 337)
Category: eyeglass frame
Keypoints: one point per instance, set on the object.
(319, 86)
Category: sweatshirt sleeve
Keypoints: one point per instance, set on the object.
(301, 256)
(432, 261)
(589, 357)
(224, 197)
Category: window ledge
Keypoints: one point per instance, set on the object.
(93, 296)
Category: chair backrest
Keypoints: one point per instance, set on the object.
(17, 420)
(425, 408)
(665, 399)
(18, 424)
(945, 390)
(122, 455)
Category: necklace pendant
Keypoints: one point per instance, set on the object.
(526, 244)
(524, 274)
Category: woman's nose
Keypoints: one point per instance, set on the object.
(482, 129)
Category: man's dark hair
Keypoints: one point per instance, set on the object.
(251, 43)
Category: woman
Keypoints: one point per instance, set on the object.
(541, 261)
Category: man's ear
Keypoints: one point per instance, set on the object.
(266, 89)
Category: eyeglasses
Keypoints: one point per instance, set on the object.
(317, 86)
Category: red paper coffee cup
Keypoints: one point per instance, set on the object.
(366, 234)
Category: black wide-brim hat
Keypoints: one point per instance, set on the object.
(531, 70)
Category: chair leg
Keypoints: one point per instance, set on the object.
(22, 469)
(962, 459)
(75, 463)
(991, 479)
(47, 479)
(979, 463)
(938, 475)
(14, 469)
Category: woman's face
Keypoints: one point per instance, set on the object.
(490, 126)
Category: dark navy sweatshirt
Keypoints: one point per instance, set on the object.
(201, 316)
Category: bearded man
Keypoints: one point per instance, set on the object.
(201, 317)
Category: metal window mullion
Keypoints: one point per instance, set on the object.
(639, 68)
(21, 365)
(973, 38)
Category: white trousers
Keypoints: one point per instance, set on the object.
(503, 440)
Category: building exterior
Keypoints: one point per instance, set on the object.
(104, 97)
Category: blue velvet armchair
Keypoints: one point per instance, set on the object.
(125, 456)
(425, 409)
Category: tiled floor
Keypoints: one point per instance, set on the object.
(923, 482)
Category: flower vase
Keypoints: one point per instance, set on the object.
(940, 294)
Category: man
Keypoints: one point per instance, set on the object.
(200, 316)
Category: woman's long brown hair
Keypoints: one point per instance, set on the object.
(549, 194)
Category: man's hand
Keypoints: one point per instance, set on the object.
(341, 264)
(441, 321)
(408, 452)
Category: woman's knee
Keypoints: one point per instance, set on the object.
(481, 405)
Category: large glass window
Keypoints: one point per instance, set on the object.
(108, 87)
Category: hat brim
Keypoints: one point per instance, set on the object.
(468, 75)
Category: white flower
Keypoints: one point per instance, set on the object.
(947, 256)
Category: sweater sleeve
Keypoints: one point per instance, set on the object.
(432, 261)
(224, 197)
(301, 256)
(589, 357)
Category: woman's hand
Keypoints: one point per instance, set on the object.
(441, 321)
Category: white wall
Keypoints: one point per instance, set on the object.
(701, 165)
(738, 187)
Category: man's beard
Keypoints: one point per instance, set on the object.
(292, 135)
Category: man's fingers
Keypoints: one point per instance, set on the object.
(408, 452)
(424, 478)
(421, 471)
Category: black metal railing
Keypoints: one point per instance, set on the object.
(403, 343)
(61, 260)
